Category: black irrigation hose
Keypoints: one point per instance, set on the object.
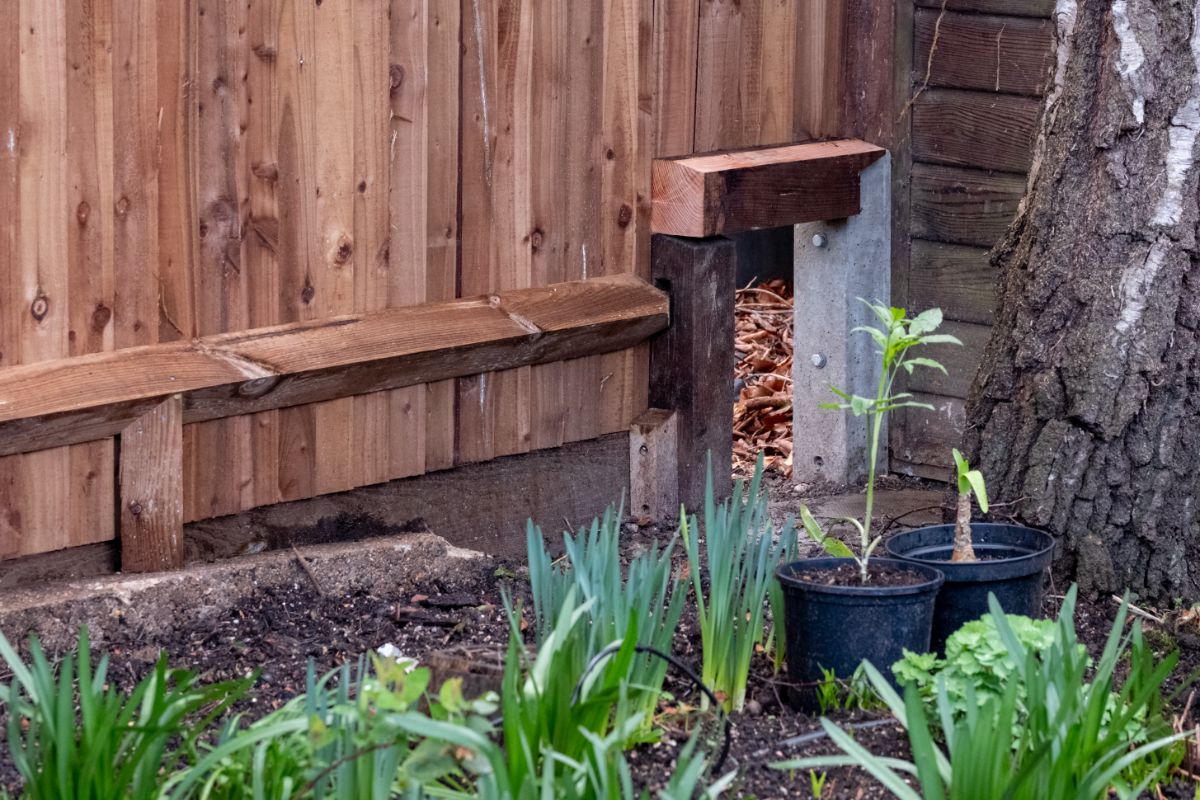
(677, 664)
(816, 736)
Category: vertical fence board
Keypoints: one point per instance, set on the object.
(152, 490)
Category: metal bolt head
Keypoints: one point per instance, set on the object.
(818, 360)
(819, 240)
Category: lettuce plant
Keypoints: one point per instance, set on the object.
(896, 336)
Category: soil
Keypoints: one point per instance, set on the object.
(278, 630)
(878, 575)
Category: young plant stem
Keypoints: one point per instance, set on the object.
(876, 425)
(963, 549)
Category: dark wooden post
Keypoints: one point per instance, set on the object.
(691, 363)
(151, 489)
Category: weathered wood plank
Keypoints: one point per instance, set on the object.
(963, 206)
(707, 195)
(654, 465)
(923, 438)
(977, 51)
(959, 279)
(250, 371)
(151, 488)
(691, 364)
(974, 129)
(961, 363)
(676, 27)
(1024, 8)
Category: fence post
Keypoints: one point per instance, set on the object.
(691, 363)
(836, 263)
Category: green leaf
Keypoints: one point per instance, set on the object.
(921, 361)
(975, 478)
(940, 338)
(925, 322)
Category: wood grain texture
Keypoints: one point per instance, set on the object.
(924, 439)
(1026, 8)
(974, 129)
(958, 279)
(744, 190)
(986, 52)
(961, 363)
(654, 465)
(690, 362)
(746, 73)
(151, 487)
(676, 28)
(963, 206)
(252, 371)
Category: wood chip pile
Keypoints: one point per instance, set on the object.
(762, 415)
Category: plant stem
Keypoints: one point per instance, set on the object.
(876, 424)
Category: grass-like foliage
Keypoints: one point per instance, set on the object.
(896, 336)
(560, 737)
(741, 553)
(647, 594)
(72, 734)
(1079, 739)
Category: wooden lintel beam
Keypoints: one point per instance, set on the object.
(89, 397)
(729, 192)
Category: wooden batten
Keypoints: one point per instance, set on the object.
(98, 395)
(151, 489)
(729, 192)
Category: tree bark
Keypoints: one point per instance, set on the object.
(1085, 410)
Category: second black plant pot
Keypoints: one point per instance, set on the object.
(837, 627)
(1012, 564)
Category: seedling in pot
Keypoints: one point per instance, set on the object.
(970, 481)
(896, 335)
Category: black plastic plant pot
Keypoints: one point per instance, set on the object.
(836, 627)
(1012, 564)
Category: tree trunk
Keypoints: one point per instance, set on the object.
(1085, 412)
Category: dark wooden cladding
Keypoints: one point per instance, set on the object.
(982, 51)
(1020, 8)
(735, 191)
(235, 374)
(959, 279)
(974, 129)
(978, 70)
(963, 206)
(960, 362)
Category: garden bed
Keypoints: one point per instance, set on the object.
(330, 604)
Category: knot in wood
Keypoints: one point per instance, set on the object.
(82, 212)
(624, 215)
(257, 387)
(122, 206)
(135, 508)
(396, 77)
(100, 317)
(40, 307)
(344, 252)
(307, 293)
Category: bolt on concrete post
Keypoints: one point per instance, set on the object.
(837, 262)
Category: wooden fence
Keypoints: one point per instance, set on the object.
(174, 171)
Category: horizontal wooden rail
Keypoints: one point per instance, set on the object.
(728, 192)
(90, 397)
